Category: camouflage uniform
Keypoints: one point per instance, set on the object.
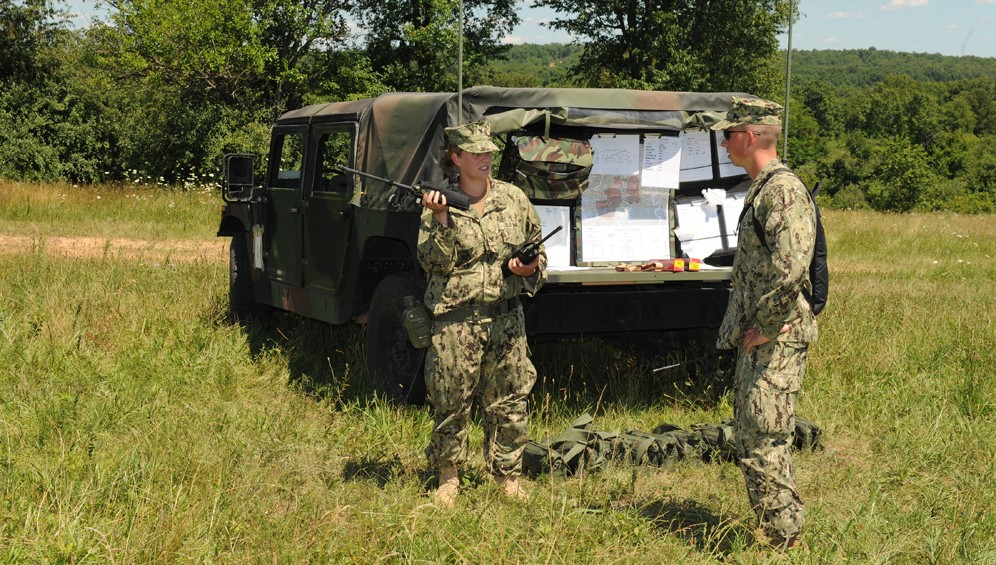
(768, 292)
(482, 358)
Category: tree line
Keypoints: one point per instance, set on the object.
(161, 89)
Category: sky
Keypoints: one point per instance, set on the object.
(948, 27)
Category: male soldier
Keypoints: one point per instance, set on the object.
(769, 317)
(478, 349)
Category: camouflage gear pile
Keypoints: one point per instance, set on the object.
(768, 292)
(551, 169)
(474, 137)
(751, 111)
(483, 359)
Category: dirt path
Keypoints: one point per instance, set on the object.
(139, 249)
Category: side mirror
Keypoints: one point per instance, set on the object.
(239, 176)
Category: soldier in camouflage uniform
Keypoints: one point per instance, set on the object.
(769, 318)
(478, 349)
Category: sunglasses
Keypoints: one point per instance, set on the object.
(727, 133)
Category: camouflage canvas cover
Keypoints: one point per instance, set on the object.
(552, 169)
(400, 135)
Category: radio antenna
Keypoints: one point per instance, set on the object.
(460, 71)
(788, 83)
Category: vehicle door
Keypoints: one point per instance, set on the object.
(327, 211)
(282, 228)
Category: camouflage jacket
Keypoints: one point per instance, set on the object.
(464, 259)
(769, 286)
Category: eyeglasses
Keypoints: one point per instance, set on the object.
(727, 133)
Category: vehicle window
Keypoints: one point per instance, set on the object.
(334, 150)
(290, 148)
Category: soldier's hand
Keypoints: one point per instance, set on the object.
(436, 201)
(515, 265)
(754, 338)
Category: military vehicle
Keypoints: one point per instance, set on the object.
(340, 247)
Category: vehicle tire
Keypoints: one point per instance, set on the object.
(392, 362)
(242, 305)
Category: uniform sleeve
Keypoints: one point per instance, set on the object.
(436, 244)
(534, 232)
(789, 222)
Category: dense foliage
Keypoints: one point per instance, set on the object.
(695, 45)
(161, 89)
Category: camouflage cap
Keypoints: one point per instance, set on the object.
(474, 137)
(751, 111)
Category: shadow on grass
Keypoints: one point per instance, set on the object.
(634, 371)
(697, 524)
(323, 360)
(383, 470)
(577, 373)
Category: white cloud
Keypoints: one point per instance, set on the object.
(900, 4)
(951, 27)
(985, 1)
(513, 40)
(829, 40)
(845, 16)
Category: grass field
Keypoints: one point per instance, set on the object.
(137, 425)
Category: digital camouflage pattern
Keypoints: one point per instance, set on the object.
(487, 363)
(552, 169)
(473, 137)
(485, 360)
(768, 292)
(768, 287)
(768, 381)
(746, 110)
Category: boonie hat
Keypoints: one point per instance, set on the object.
(751, 111)
(474, 137)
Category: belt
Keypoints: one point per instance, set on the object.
(480, 313)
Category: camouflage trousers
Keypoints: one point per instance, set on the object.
(488, 363)
(768, 381)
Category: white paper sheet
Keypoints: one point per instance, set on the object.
(558, 247)
(696, 156)
(623, 221)
(662, 157)
(615, 154)
(732, 206)
(699, 226)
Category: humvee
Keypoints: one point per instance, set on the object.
(340, 247)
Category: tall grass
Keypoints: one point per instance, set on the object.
(137, 425)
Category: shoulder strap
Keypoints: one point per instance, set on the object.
(758, 228)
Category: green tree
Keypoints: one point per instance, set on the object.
(244, 53)
(30, 31)
(728, 45)
(900, 106)
(901, 175)
(413, 44)
(196, 78)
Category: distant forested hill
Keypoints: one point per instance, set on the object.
(864, 68)
(548, 65)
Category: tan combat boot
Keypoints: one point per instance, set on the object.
(512, 487)
(449, 486)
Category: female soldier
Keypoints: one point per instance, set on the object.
(478, 349)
